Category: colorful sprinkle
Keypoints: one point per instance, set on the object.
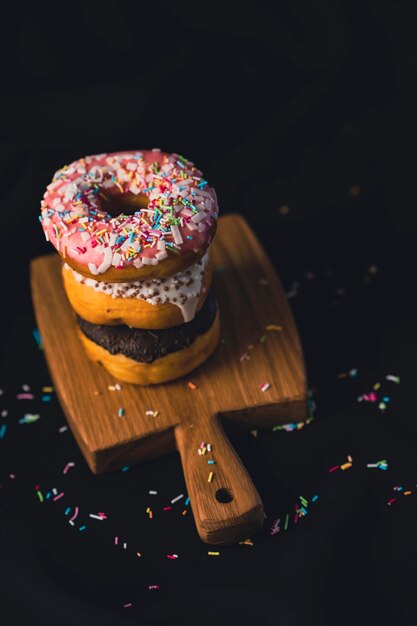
(265, 386)
(67, 467)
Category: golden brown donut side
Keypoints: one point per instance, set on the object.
(100, 308)
(164, 369)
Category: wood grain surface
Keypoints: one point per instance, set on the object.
(228, 390)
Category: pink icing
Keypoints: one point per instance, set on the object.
(181, 209)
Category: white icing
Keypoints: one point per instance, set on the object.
(182, 289)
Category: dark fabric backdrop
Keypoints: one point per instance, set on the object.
(308, 106)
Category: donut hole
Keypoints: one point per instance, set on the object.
(124, 203)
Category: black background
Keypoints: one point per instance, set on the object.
(306, 105)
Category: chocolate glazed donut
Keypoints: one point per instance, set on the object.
(147, 357)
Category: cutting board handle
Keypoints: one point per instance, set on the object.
(226, 506)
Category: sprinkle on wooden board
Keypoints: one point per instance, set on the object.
(264, 386)
(115, 387)
(192, 385)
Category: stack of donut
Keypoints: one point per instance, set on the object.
(133, 230)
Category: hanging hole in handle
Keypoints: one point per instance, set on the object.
(223, 495)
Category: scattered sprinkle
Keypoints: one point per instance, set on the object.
(192, 385)
(274, 327)
(37, 336)
(67, 467)
(76, 511)
(345, 466)
(246, 542)
(383, 465)
(265, 386)
(29, 418)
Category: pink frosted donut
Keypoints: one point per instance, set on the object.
(129, 215)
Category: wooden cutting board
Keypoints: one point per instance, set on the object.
(225, 503)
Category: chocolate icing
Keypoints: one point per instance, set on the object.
(146, 346)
